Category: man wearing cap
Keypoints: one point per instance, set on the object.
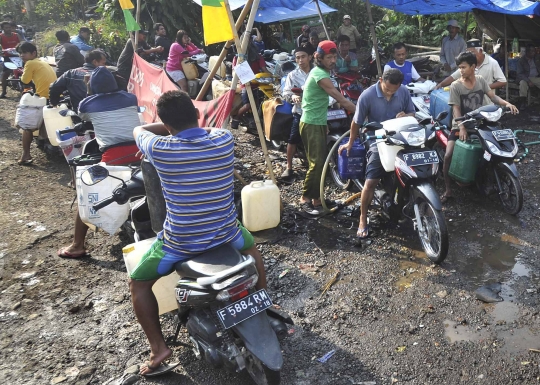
(347, 60)
(350, 30)
(303, 39)
(387, 99)
(296, 79)
(451, 46)
(82, 39)
(125, 61)
(486, 66)
(313, 123)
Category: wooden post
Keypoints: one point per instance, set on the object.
(227, 45)
(322, 19)
(136, 33)
(374, 37)
(506, 60)
(466, 26)
(242, 48)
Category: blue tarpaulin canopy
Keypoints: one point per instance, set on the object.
(289, 4)
(275, 14)
(431, 7)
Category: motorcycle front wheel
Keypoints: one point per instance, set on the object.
(434, 234)
(260, 373)
(511, 195)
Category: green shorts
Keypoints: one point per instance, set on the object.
(156, 263)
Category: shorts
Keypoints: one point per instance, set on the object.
(176, 75)
(454, 135)
(374, 167)
(295, 137)
(156, 263)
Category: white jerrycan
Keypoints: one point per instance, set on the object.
(260, 206)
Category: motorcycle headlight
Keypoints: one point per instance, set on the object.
(492, 116)
(495, 150)
(415, 138)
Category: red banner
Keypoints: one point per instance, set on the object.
(148, 82)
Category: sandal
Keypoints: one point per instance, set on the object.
(63, 253)
(445, 198)
(160, 369)
(27, 162)
(308, 208)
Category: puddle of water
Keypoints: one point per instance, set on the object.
(326, 233)
(455, 332)
(412, 271)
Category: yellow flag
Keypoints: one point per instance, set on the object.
(216, 25)
(126, 4)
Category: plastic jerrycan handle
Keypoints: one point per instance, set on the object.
(257, 184)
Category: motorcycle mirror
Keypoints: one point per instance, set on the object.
(141, 109)
(94, 175)
(67, 113)
(390, 133)
(442, 115)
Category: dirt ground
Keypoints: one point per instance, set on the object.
(392, 317)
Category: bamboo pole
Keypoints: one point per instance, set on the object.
(423, 47)
(506, 60)
(466, 25)
(322, 19)
(242, 48)
(374, 37)
(223, 53)
(137, 19)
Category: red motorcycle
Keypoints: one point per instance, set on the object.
(13, 62)
(352, 84)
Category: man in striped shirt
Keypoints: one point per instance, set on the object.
(196, 167)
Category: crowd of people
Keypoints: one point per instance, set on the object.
(99, 96)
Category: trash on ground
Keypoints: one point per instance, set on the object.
(327, 356)
(283, 273)
(489, 293)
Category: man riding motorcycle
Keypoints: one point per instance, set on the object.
(195, 166)
(387, 99)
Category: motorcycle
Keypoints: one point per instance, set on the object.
(351, 85)
(230, 323)
(12, 61)
(407, 192)
(369, 69)
(497, 172)
(420, 95)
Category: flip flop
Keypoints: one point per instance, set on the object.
(27, 162)
(160, 369)
(445, 198)
(63, 253)
(366, 230)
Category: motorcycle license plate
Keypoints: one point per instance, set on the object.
(243, 309)
(501, 135)
(336, 114)
(420, 158)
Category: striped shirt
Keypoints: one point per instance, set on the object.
(196, 172)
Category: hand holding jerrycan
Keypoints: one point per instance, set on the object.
(260, 206)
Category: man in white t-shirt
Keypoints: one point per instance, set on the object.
(406, 67)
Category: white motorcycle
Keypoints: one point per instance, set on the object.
(420, 95)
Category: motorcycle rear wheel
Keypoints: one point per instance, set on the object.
(434, 238)
(512, 195)
(260, 373)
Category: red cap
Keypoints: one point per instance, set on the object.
(326, 46)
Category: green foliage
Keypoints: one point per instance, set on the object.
(60, 11)
(108, 35)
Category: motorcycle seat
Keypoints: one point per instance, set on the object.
(210, 263)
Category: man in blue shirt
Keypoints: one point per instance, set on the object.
(195, 166)
(81, 40)
(406, 67)
(387, 99)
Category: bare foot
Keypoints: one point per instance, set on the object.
(155, 360)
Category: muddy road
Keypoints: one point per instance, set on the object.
(392, 317)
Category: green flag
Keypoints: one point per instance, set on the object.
(131, 24)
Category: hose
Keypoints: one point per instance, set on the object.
(323, 177)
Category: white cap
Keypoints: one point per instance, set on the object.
(452, 23)
(346, 17)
